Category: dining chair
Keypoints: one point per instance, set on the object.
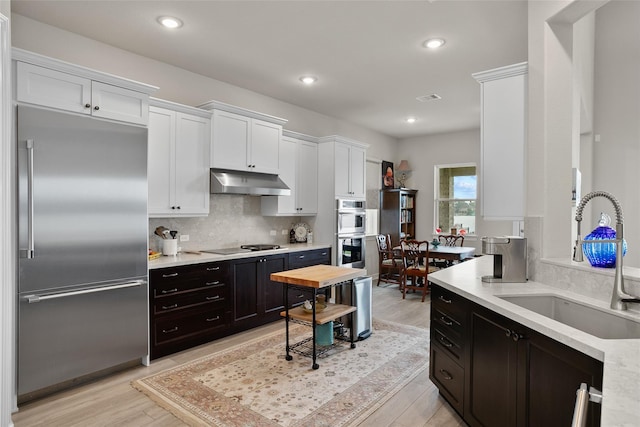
(448, 240)
(415, 257)
(390, 263)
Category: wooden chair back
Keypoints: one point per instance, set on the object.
(451, 240)
(415, 257)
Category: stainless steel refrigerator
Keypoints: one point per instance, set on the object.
(83, 233)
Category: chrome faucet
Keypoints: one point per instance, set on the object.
(619, 297)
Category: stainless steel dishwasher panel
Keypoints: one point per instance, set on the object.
(91, 329)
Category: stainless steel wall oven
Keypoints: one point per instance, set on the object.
(351, 223)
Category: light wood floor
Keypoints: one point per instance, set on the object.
(113, 402)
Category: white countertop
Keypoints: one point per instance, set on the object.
(187, 258)
(621, 380)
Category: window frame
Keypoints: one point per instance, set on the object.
(437, 199)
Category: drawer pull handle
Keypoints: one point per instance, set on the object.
(324, 253)
(170, 275)
(168, 331)
(213, 319)
(301, 257)
(169, 291)
(447, 374)
(444, 320)
(445, 342)
(213, 268)
(444, 300)
(217, 282)
(167, 307)
(213, 298)
(301, 296)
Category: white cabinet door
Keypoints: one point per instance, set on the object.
(178, 170)
(357, 158)
(160, 170)
(299, 170)
(307, 188)
(63, 91)
(192, 165)
(50, 88)
(503, 130)
(264, 146)
(342, 167)
(229, 147)
(116, 103)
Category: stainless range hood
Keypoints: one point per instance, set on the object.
(255, 184)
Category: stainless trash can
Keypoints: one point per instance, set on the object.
(357, 294)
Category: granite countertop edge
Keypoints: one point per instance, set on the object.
(621, 357)
(189, 259)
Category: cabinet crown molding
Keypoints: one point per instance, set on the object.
(501, 73)
(338, 138)
(217, 105)
(22, 55)
(298, 135)
(170, 105)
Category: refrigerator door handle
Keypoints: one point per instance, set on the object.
(30, 251)
(37, 298)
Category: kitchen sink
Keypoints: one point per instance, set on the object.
(592, 320)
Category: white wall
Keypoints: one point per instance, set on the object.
(423, 154)
(616, 157)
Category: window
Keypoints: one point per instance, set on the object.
(456, 189)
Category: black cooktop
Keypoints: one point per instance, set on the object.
(260, 247)
(241, 249)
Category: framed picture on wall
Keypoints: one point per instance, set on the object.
(387, 174)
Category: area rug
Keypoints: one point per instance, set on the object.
(252, 384)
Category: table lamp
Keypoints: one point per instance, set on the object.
(403, 172)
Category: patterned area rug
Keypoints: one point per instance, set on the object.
(253, 385)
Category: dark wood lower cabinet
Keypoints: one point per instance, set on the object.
(194, 304)
(189, 305)
(512, 375)
(257, 300)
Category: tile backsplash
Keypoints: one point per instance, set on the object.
(233, 220)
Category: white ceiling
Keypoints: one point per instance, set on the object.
(368, 55)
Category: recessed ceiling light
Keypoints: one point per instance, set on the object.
(308, 80)
(411, 120)
(433, 43)
(170, 22)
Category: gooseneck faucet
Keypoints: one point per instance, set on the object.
(619, 298)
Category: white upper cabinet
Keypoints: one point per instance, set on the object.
(178, 170)
(244, 140)
(299, 170)
(503, 141)
(350, 170)
(60, 85)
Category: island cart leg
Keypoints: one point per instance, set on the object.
(286, 319)
(352, 332)
(313, 326)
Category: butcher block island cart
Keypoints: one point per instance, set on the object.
(315, 278)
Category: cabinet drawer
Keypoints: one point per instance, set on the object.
(447, 323)
(170, 281)
(449, 303)
(448, 376)
(308, 258)
(172, 328)
(217, 295)
(452, 345)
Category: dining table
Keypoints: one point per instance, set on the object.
(448, 253)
